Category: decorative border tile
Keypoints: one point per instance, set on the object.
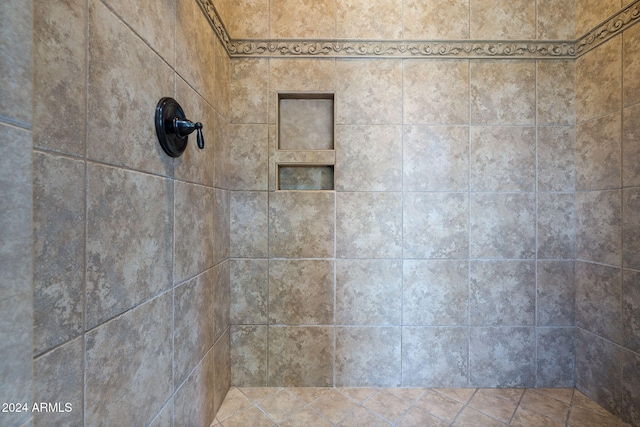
(463, 49)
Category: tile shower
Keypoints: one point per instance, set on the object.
(482, 230)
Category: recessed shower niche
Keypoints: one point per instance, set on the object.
(304, 157)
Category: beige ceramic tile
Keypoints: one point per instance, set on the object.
(556, 92)
(524, 418)
(249, 90)
(250, 19)
(556, 226)
(492, 405)
(598, 226)
(503, 19)
(472, 418)
(305, 124)
(590, 13)
(249, 154)
(249, 291)
(249, 417)
(596, 96)
(562, 394)
(556, 20)
(369, 19)
(631, 228)
(442, 100)
(307, 417)
(361, 417)
(222, 80)
(503, 92)
(194, 401)
(555, 286)
(410, 394)
(333, 405)
(440, 406)
(418, 417)
(309, 394)
(234, 402)
(281, 405)
(460, 394)
(512, 394)
(256, 394)
(631, 146)
(544, 405)
(221, 361)
(583, 418)
(631, 65)
(598, 146)
(249, 355)
(357, 394)
(556, 158)
(387, 405)
(249, 224)
(436, 20)
(222, 152)
(290, 19)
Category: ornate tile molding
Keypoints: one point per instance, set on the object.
(462, 49)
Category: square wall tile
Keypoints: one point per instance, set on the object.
(58, 248)
(631, 66)
(369, 225)
(291, 19)
(305, 123)
(599, 300)
(249, 90)
(556, 86)
(249, 224)
(502, 357)
(221, 369)
(250, 291)
(253, 22)
(502, 225)
(598, 146)
(514, 103)
(595, 96)
(249, 355)
(436, 20)
(301, 224)
(249, 157)
(556, 20)
(631, 146)
(590, 13)
(631, 228)
(556, 225)
(503, 158)
(221, 225)
(369, 92)
(435, 225)
(221, 79)
(129, 240)
(222, 152)
(630, 393)
(502, 293)
(556, 353)
(301, 292)
(503, 19)
(300, 356)
(435, 292)
(369, 19)
(556, 158)
(368, 292)
(221, 299)
(599, 226)
(435, 356)
(368, 158)
(436, 100)
(556, 292)
(436, 158)
(368, 357)
(631, 310)
(194, 400)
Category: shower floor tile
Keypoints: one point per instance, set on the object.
(407, 407)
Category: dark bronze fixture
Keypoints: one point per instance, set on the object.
(173, 128)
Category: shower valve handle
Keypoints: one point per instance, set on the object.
(184, 127)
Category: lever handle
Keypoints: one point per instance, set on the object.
(199, 136)
(184, 127)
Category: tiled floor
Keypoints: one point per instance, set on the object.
(371, 407)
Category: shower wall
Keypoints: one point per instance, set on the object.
(131, 279)
(445, 256)
(608, 222)
(16, 261)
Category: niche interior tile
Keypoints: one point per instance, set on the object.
(598, 146)
(249, 90)
(556, 20)
(502, 357)
(221, 298)
(556, 225)
(435, 356)
(368, 356)
(130, 393)
(556, 158)
(514, 103)
(556, 292)
(596, 96)
(368, 292)
(436, 20)
(249, 355)
(599, 300)
(368, 158)
(369, 225)
(58, 248)
(503, 158)
(194, 207)
(436, 158)
(631, 66)
(598, 369)
(129, 240)
(368, 92)
(193, 323)
(194, 400)
(442, 100)
(249, 293)
(59, 75)
(555, 357)
(290, 19)
(590, 13)
(301, 224)
(631, 228)
(249, 224)
(435, 292)
(502, 293)
(301, 292)
(435, 225)
(631, 309)
(249, 157)
(133, 73)
(254, 21)
(369, 19)
(59, 377)
(631, 146)
(305, 124)
(502, 225)
(599, 226)
(300, 356)
(503, 19)
(556, 92)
